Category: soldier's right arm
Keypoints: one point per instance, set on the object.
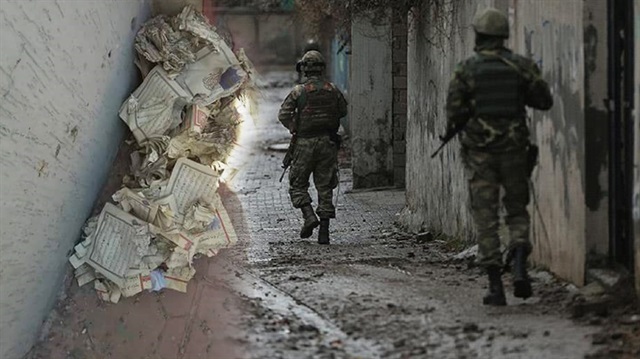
(538, 93)
(288, 108)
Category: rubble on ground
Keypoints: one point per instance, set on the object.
(184, 118)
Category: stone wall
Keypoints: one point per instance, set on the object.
(65, 68)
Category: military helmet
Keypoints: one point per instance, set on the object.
(311, 45)
(492, 22)
(313, 61)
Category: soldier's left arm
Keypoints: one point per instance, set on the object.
(458, 99)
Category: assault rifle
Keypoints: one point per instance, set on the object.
(448, 137)
(288, 157)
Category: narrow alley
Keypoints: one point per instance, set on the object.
(375, 292)
(481, 159)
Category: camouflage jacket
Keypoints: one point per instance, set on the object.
(289, 108)
(491, 133)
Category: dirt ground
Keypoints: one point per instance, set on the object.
(375, 292)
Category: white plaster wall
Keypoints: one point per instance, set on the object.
(370, 103)
(437, 195)
(551, 33)
(65, 68)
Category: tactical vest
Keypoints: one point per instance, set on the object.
(497, 88)
(317, 106)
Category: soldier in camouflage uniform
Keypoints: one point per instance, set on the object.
(312, 113)
(486, 99)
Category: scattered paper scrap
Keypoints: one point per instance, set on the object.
(184, 119)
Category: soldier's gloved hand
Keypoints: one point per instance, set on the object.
(442, 138)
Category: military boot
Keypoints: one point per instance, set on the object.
(521, 281)
(495, 296)
(310, 221)
(323, 233)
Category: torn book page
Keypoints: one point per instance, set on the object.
(219, 234)
(196, 119)
(247, 66)
(174, 41)
(214, 75)
(190, 182)
(137, 204)
(178, 278)
(179, 258)
(158, 42)
(194, 22)
(136, 283)
(183, 240)
(154, 107)
(155, 190)
(84, 274)
(148, 168)
(167, 213)
(198, 217)
(107, 291)
(119, 243)
(208, 147)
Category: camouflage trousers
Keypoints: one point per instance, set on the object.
(317, 156)
(488, 173)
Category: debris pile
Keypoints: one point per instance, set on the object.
(184, 118)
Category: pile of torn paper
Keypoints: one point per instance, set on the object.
(184, 118)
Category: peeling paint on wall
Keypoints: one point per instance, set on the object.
(552, 34)
(59, 131)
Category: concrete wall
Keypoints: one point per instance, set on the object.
(399, 34)
(636, 186)
(551, 32)
(370, 110)
(437, 196)
(65, 68)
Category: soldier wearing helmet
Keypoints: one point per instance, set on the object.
(310, 45)
(312, 113)
(486, 104)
